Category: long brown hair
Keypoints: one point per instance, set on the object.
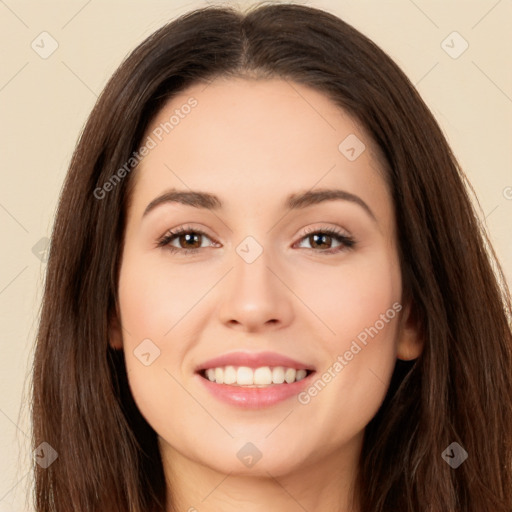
(458, 390)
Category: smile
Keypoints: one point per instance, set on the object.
(254, 380)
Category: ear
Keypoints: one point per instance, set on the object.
(410, 340)
(115, 337)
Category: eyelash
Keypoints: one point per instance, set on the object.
(346, 240)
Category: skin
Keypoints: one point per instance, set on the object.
(252, 143)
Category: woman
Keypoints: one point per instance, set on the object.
(255, 371)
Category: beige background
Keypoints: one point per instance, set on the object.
(45, 102)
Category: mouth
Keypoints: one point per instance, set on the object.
(254, 380)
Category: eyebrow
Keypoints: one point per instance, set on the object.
(298, 201)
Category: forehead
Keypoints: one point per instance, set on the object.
(256, 140)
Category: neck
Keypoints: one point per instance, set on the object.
(324, 485)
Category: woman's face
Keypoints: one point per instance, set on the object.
(266, 294)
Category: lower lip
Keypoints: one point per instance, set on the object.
(255, 398)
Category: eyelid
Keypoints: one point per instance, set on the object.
(320, 229)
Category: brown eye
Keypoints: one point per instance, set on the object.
(319, 239)
(189, 240)
(325, 237)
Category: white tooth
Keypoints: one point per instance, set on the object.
(219, 375)
(289, 375)
(300, 374)
(229, 375)
(245, 376)
(278, 375)
(262, 376)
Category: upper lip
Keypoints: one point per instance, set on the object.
(253, 360)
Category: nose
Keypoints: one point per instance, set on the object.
(256, 296)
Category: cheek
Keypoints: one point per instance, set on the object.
(152, 296)
(360, 342)
(353, 296)
(151, 305)
(154, 302)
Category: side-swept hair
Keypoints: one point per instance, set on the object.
(458, 390)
